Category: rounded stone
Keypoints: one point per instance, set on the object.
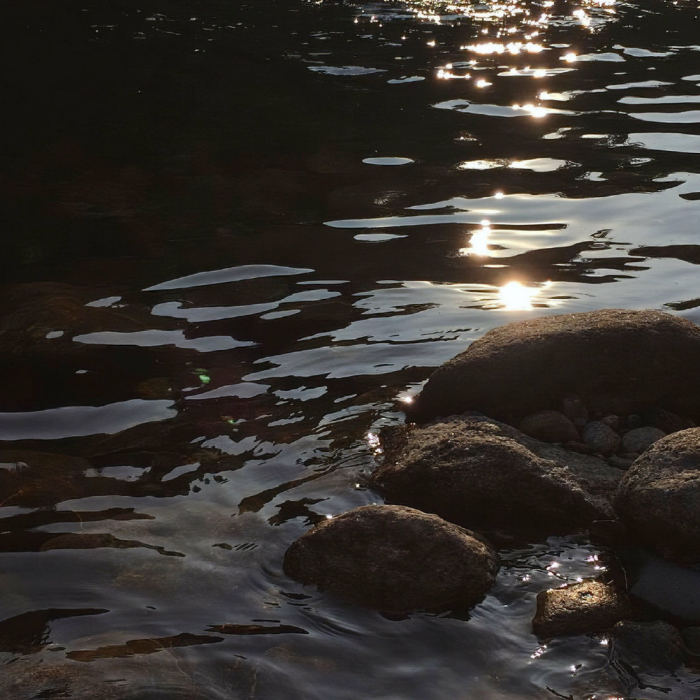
(575, 410)
(395, 559)
(601, 438)
(478, 474)
(659, 497)
(640, 439)
(549, 426)
(616, 361)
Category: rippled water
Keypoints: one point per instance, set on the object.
(236, 238)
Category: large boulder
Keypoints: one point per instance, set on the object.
(394, 559)
(659, 497)
(475, 471)
(616, 361)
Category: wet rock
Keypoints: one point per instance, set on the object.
(640, 439)
(601, 438)
(549, 426)
(659, 497)
(649, 646)
(395, 559)
(617, 361)
(472, 470)
(661, 584)
(611, 421)
(590, 606)
(666, 420)
(575, 410)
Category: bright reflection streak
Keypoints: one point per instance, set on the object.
(570, 58)
(511, 48)
(515, 297)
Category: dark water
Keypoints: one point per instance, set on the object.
(216, 291)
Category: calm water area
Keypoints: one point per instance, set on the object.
(236, 237)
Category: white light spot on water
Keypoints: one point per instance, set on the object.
(51, 335)
(515, 297)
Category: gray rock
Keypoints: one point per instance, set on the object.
(649, 646)
(549, 426)
(611, 421)
(590, 606)
(640, 439)
(394, 559)
(472, 470)
(620, 462)
(617, 361)
(601, 438)
(659, 497)
(634, 421)
(575, 410)
(662, 584)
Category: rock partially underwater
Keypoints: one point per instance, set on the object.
(617, 361)
(394, 559)
(476, 471)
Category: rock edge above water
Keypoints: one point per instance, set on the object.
(394, 559)
(617, 361)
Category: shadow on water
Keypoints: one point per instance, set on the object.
(235, 237)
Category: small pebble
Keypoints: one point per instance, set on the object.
(633, 421)
(601, 438)
(576, 446)
(549, 426)
(641, 439)
(575, 410)
(612, 421)
(620, 462)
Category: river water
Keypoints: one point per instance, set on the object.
(237, 237)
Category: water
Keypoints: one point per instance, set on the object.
(236, 238)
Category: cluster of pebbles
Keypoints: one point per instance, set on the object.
(619, 439)
(541, 427)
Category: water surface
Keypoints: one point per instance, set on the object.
(237, 237)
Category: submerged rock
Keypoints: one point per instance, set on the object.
(649, 646)
(616, 361)
(549, 426)
(659, 497)
(575, 410)
(640, 439)
(472, 470)
(590, 606)
(394, 559)
(666, 420)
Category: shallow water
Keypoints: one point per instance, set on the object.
(236, 238)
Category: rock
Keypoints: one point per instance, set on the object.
(633, 421)
(549, 426)
(659, 497)
(640, 439)
(611, 421)
(617, 361)
(691, 639)
(576, 446)
(662, 584)
(472, 470)
(666, 420)
(590, 606)
(575, 410)
(620, 462)
(601, 438)
(649, 646)
(394, 559)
